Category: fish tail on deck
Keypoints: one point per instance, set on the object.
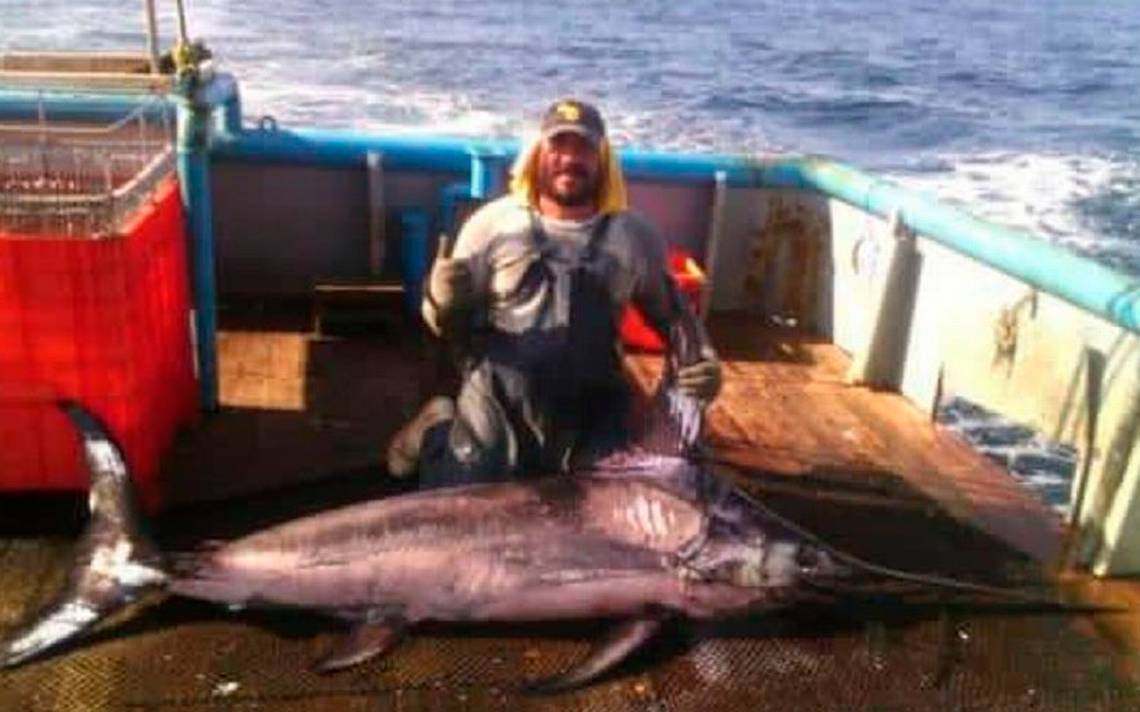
(114, 562)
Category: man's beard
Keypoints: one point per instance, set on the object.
(584, 193)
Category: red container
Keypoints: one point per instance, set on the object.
(104, 322)
(636, 333)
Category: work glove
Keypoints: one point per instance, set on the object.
(702, 378)
(451, 285)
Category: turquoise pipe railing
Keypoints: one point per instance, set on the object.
(194, 179)
(453, 154)
(205, 109)
(1094, 287)
(104, 108)
(347, 149)
(61, 105)
(487, 173)
(199, 118)
(449, 199)
(414, 257)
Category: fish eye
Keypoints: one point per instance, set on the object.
(807, 559)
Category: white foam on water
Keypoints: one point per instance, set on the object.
(1038, 192)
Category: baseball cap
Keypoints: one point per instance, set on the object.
(573, 116)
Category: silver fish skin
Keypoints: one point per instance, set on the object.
(641, 537)
(564, 547)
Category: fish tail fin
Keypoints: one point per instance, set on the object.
(114, 561)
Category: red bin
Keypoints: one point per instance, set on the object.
(105, 322)
(635, 331)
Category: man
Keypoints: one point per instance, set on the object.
(533, 292)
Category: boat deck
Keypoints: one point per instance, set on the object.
(303, 427)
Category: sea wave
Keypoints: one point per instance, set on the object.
(1088, 203)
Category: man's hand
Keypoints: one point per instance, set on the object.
(701, 379)
(450, 285)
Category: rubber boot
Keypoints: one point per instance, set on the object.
(404, 448)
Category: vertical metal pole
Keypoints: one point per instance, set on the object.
(151, 35)
(712, 248)
(414, 257)
(377, 240)
(231, 105)
(183, 33)
(194, 174)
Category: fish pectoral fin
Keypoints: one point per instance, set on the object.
(617, 646)
(365, 641)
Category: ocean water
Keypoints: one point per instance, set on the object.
(1023, 112)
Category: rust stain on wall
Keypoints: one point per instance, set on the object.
(783, 275)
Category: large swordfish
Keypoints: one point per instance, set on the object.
(640, 537)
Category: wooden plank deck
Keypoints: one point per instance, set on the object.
(787, 409)
(298, 407)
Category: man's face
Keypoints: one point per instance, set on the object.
(569, 169)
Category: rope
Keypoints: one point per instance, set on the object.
(896, 574)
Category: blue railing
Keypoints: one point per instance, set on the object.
(1092, 286)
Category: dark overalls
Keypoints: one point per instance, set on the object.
(548, 393)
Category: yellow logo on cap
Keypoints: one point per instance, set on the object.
(568, 111)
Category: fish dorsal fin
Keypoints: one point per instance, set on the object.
(364, 642)
(616, 647)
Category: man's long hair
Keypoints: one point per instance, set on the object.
(611, 182)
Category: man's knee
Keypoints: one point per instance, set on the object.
(453, 457)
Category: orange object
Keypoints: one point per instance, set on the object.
(635, 331)
(104, 322)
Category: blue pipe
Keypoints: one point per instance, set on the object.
(486, 183)
(740, 171)
(194, 123)
(456, 154)
(487, 172)
(449, 199)
(72, 105)
(22, 105)
(348, 149)
(1053, 269)
(222, 92)
(413, 258)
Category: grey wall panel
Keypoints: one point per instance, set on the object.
(280, 227)
(681, 212)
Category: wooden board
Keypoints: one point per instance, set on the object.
(785, 409)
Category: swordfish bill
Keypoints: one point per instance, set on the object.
(641, 538)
